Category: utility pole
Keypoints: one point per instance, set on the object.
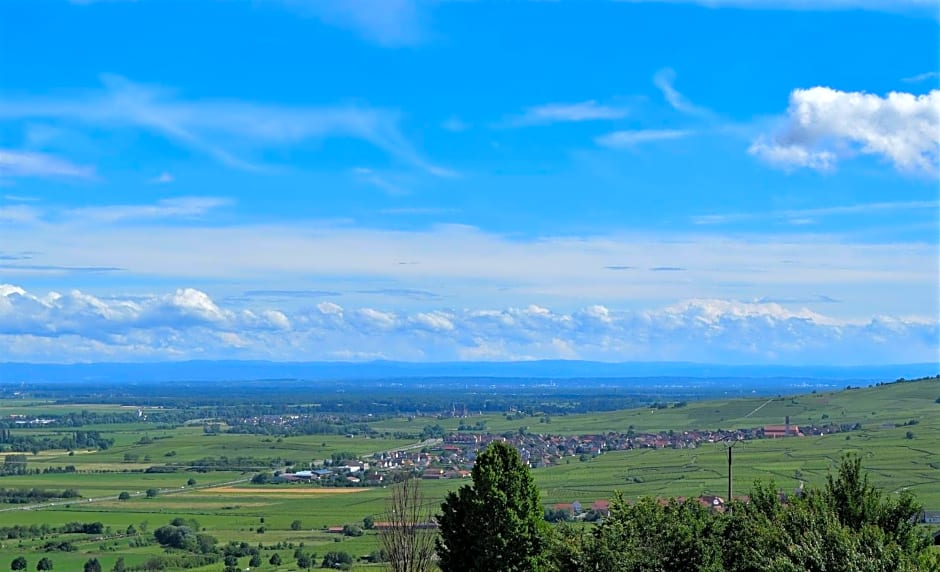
(731, 445)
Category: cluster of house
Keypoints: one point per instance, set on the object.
(21, 420)
(452, 457)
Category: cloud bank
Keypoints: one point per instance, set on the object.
(188, 323)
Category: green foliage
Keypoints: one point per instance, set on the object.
(124, 496)
(44, 564)
(19, 563)
(296, 525)
(119, 565)
(275, 559)
(152, 493)
(92, 565)
(368, 523)
(337, 559)
(495, 523)
(849, 526)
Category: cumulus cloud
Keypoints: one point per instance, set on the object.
(823, 125)
(188, 323)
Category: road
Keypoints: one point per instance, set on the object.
(78, 501)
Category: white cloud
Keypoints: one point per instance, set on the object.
(807, 214)
(463, 263)
(188, 323)
(567, 113)
(922, 77)
(631, 138)
(824, 125)
(163, 178)
(227, 130)
(664, 80)
(180, 207)
(19, 214)
(15, 163)
(386, 22)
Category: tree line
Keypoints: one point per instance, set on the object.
(496, 524)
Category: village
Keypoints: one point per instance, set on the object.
(453, 455)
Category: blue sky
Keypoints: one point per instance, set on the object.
(725, 181)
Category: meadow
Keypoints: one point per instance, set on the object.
(898, 454)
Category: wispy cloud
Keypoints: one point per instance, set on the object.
(379, 181)
(665, 80)
(821, 299)
(292, 293)
(403, 293)
(455, 124)
(922, 77)
(19, 214)
(423, 211)
(14, 163)
(627, 139)
(924, 6)
(230, 131)
(567, 113)
(823, 125)
(21, 269)
(180, 207)
(465, 263)
(163, 178)
(814, 213)
(386, 22)
(188, 323)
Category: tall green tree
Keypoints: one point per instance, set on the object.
(44, 564)
(19, 563)
(495, 524)
(92, 565)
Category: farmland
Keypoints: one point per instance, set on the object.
(896, 428)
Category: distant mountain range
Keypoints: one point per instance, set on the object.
(11, 373)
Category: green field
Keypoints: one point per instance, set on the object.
(894, 460)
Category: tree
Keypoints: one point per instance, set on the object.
(44, 564)
(407, 540)
(368, 523)
(296, 525)
(254, 561)
(275, 559)
(335, 559)
(92, 565)
(119, 565)
(495, 523)
(849, 526)
(151, 493)
(124, 495)
(19, 563)
(191, 482)
(304, 561)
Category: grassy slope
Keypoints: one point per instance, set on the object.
(894, 462)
